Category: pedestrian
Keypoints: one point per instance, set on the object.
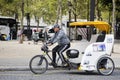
(40, 33)
(46, 34)
(35, 37)
(19, 33)
(0, 36)
(20, 36)
(63, 44)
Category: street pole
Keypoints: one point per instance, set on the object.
(92, 10)
(92, 14)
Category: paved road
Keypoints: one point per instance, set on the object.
(57, 75)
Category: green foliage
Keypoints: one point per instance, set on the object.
(107, 8)
(107, 4)
(9, 7)
(48, 9)
(8, 1)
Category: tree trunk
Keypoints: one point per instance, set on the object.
(88, 9)
(75, 14)
(60, 5)
(37, 24)
(113, 15)
(98, 12)
(22, 16)
(113, 21)
(58, 12)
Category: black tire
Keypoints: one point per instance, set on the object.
(38, 64)
(105, 66)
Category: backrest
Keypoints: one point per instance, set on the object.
(101, 38)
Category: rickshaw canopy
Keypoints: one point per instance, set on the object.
(102, 26)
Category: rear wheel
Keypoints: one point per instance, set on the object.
(105, 66)
(38, 64)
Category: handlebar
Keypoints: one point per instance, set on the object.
(45, 47)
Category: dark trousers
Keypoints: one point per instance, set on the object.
(59, 49)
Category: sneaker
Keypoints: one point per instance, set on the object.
(53, 64)
(64, 64)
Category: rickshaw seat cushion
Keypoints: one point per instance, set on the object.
(72, 53)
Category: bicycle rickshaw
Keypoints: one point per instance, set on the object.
(96, 56)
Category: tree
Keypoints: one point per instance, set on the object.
(49, 9)
(107, 6)
(113, 21)
(98, 11)
(42, 8)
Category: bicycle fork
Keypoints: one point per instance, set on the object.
(40, 61)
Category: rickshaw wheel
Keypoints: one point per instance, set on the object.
(105, 66)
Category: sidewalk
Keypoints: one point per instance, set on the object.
(15, 56)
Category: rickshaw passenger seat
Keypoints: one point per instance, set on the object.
(101, 37)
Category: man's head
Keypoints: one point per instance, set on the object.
(56, 27)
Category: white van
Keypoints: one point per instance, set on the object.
(4, 30)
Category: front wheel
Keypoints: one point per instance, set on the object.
(38, 64)
(105, 66)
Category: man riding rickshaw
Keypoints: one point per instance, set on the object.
(90, 52)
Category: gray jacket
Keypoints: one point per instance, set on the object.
(60, 37)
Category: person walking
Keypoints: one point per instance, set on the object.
(35, 36)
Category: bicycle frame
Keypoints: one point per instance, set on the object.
(46, 51)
